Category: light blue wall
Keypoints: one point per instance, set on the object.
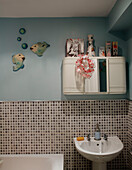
(119, 8)
(129, 54)
(130, 66)
(41, 77)
(119, 23)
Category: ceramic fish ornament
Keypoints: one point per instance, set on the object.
(39, 48)
(18, 60)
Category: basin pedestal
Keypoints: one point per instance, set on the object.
(99, 166)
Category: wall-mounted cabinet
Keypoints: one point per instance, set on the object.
(111, 81)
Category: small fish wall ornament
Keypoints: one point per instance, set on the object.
(22, 30)
(19, 38)
(24, 46)
(39, 48)
(18, 60)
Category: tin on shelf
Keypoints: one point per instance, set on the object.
(108, 48)
(115, 48)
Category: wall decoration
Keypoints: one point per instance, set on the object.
(115, 48)
(108, 48)
(18, 60)
(102, 51)
(74, 47)
(90, 50)
(24, 46)
(22, 31)
(19, 38)
(39, 48)
(85, 66)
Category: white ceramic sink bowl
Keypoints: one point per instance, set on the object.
(101, 151)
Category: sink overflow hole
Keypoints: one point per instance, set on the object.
(97, 144)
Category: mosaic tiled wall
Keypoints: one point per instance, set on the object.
(49, 127)
(130, 135)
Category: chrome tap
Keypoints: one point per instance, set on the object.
(88, 137)
(105, 137)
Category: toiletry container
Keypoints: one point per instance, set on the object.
(97, 132)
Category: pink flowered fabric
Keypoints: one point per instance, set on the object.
(85, 66)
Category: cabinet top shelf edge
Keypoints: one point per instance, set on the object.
(96, 57)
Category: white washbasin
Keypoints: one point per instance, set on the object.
(100, 151)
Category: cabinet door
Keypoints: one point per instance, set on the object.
(116, 75)
(92, 85)
(73, 82)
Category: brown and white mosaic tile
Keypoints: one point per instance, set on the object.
(44, 127)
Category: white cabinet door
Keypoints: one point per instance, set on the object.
(92, 85)
(73, 82)
(117, 75)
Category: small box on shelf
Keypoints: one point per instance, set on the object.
(108, 48)
(114, 48)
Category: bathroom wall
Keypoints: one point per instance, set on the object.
(120, 24)
(129, 33)
(41, 77)
(116, 13)
(130, 97)
(49, 125)
(44, 127)
(130, 135)
(130, 66)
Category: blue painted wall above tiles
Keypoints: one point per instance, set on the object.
(129, 42)
(121, 11)
(119, 23)
(41, 77)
